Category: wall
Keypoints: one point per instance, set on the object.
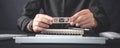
(10, 10)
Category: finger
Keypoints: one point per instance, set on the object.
(74, 17)
(82, 22)
(78, 19)
(43, 25)
(89, 25)
(48, 17)
(86, 26)
(83, 19)
(38, 29)
(84, 11)
(44, 18)
(46, 21)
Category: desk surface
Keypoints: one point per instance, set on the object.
(10, 43)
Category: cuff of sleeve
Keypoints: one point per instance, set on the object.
(29, 26)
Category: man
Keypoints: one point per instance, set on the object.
(38, 15)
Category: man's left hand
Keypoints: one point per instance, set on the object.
(83, 19)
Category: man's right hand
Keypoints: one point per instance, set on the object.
(41, 22)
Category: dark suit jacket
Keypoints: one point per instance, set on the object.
(64, 8)
(115, 16)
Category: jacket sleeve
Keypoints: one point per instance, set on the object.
(100, 15)
(30, 10)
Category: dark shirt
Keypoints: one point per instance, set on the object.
(63, 8)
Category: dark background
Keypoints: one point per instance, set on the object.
(10, 10)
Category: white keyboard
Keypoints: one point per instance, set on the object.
(73, 39)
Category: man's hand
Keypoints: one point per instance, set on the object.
(41, 22)
(83, 19)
